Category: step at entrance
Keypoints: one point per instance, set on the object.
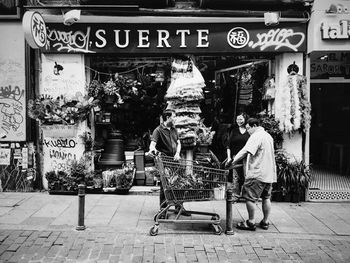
(328, 186)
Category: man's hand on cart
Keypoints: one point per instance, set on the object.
(177, 157)
(228, 162)
(152, 153)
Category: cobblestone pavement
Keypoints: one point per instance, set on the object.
(37, 227)
(110, 246)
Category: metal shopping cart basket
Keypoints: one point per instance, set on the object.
(188, 181)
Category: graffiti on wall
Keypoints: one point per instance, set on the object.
(12, 101)
(60, 152)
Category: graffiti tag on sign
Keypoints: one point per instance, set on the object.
(70, 41)
(278, 38)
(11, 108)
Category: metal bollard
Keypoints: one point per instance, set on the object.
(229, 219)
(81, 207)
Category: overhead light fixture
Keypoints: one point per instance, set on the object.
(271, 18)
(70, 17)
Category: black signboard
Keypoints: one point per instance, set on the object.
(175, 38)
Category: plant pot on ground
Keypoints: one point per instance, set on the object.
(293, 178)
(61, 183)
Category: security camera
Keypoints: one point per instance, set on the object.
(71, 17)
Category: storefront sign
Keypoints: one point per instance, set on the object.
(330, 65)
(336, 31)
(175, 38)
(34, 29)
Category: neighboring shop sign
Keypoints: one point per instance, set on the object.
(334, 31)
(175, 38)
(34, 28)
(330, 65)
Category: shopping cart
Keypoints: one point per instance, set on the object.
(188, 181)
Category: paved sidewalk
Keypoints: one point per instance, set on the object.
(38, 227)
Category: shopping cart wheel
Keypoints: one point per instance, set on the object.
(153, 231)
(218, 229)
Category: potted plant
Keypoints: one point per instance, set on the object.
(293, 178)
(61, 182)
(204, 137)
(124, 178)
(118, 180)
(93, 182)
(271, 125)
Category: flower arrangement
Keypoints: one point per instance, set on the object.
(116, 90)
(110, 88)
(60, 110)
(95, 89)
(204, 134)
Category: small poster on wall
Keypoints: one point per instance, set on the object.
(62, 74)
(5, 154)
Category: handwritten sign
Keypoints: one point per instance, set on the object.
(5, 154)
(176, 38)
(68, 80)
(12, 101)
(59, 152)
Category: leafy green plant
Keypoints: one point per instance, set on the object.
(293, 176)
(78, 170)
(61, 181)
(60, 110)
(124, 177)
(271, 125)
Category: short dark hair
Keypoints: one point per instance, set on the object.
(253, 122)
(166, 114)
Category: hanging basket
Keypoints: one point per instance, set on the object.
(59, 130)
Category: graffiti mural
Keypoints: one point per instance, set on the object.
(12, 101)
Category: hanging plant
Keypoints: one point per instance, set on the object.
(60, 110)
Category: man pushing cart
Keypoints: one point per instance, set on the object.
(188, 181)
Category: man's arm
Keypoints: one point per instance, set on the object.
(240, 155)
(178, 150)
(152, 147)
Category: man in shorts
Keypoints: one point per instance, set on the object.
(260, 173)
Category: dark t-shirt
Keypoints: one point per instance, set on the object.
(166, 140)
(236, 140)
